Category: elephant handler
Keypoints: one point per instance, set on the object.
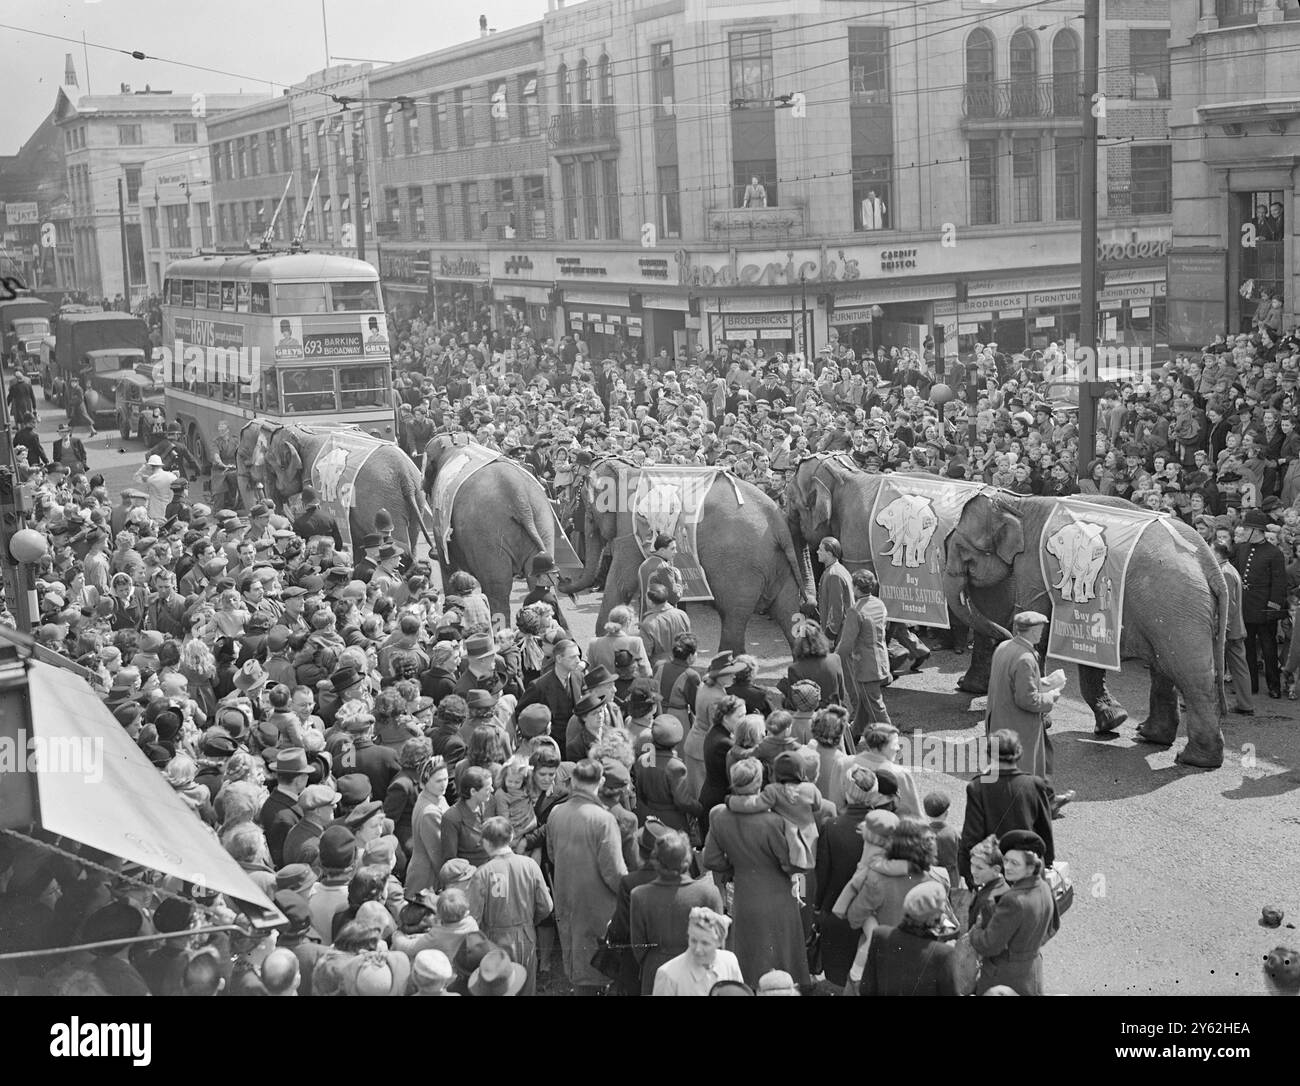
(659, 569)
(1017, 700)
(1263, 600)
(862, 646)
(1235, 642)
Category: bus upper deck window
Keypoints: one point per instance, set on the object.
(355, 297)
(187, 292)
(301, 298)
(261, 298)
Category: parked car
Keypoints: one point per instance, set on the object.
(135, 395)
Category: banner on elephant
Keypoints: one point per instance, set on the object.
(334, 475)
(1085, 554)
(670, 500)
(912, 517)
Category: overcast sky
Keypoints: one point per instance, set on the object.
(256, 40)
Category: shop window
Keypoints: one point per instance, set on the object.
(1026, 201)
(1148, 62)
(873, 197)
(758, 179)
(1152, 180)
(983, 182)
(670, 207)
(869, 64)
(1066, 179)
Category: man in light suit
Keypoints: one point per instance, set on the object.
(1017, 701)
(862, 647)
(834, 590)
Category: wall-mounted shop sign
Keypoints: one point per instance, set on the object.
(573, 267)
(768, 269)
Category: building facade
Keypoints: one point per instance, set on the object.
(1236, 129)
(176, 201)
(109, 138)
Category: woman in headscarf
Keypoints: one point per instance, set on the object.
(705, 963)
(915, 957)
(180, 774)
(829, 727)
(1010, 938)
(814, 660)
(618, 637)
(749, 849)
(530, 625)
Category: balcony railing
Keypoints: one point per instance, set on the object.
(1053, 96)
(584, 126)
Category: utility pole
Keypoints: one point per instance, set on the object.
(1092, 107)
(126, 263)
(19, 580)
(358, 172)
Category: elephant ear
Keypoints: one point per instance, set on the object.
(820, 504)
(1009, 539)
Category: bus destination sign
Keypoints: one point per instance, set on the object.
(332, 345)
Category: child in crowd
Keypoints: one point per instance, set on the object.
(796, 800)
(986, 874)
(935, 806)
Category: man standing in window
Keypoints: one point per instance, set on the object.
(1273, 227)
(755, 194)
(873, 211)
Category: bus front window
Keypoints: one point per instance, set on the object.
(364, 386)
(267, 397)
(309, 390)
(301, 298)
(360, 297)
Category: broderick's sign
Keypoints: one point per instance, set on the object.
(813, 268)
(1110, 252)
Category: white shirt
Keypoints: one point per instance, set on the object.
(681, 977)
(873, 213)
(159, 486)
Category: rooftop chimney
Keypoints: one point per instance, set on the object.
(69, 71)
(126, 88)
(482, 26)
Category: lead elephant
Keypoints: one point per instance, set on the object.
(744, 549)
(500, 519)
(277, 457)
(1175, 611)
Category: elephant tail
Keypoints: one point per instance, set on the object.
(526, 518)
(418, 508)
(802, 575)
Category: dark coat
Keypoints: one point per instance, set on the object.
(554, 693)
(620, 931)
(826, 671)
(751, 851)
(279, 815)
(901, 962)
(1263, 581)
(661, 790)
(378, 763)
(1014, 801)
(717, 742)
(660, 909)
(1023, 920)
(839, 848)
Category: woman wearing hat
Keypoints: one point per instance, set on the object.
(814, 660)
(712, 690)
(915, 957)
(1010, 940)
(704, 963)
(749, 849)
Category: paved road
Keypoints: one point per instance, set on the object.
(1171, 866)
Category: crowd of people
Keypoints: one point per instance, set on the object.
(443, 805)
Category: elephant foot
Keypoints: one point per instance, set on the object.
(1157, 732)
(968, 685)
(1202, 755)
(1107, 718)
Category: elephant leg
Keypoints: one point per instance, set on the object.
(1107, 713)
(976, 679)
(735, 621)
(621, 584)
(1163, 714)
(1198, 684)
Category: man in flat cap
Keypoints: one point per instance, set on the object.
(1017, 699)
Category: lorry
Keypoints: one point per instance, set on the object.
(90, 344)
(24, 323)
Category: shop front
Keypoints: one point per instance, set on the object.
(887, 314)
(462, 290)
(404, 275)
(1131, 304)
(607, 327)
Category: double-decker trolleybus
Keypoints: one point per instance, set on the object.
(290, 336)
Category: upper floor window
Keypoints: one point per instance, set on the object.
(1066, 87)
(662, 91)
(582, 79)
(529, 124)
(129, 135)
(869, 63)
(386, 131)
(499, 110)
(412, 114)
(751, 66)
(562, 87)
(1148, 61)
(185, 133)
(1239, 12)
(604, 81)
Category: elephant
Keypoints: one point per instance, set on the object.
(910, 521)
(1081, 550)
(1175, 611)
(744, 549)
(276, 457)
(500, 519)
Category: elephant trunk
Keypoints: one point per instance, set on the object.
(591, 565)
(957, 589)
(801, 549)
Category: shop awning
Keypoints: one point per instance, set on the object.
(95, 786)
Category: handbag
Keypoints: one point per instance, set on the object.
(965, 966)
(607, 960)
(1058, 878)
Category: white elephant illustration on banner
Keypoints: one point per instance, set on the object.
(910, 521)
(1080, 548)
(660, 507)
(329, 469)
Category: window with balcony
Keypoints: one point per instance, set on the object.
(442, 205)
(1066, 177)
(464, 117)
(670, 203)
(609, 181)
(604, 81)
(981, 73)
(1024, 74)
(1152, 180)
(983, 182)
(499, 110)
(751, 66)
(412, 114)
(750, 172)
(1066, 84)
(415, 199)
(582, 86)
(562, 89)
(535, 195)
(1148, 62)
(129, 135)
(132, 183)
(869, 64)
(1264, 262)
(569, 196)
(873, 195)
(469, 209)
(662, 91)
(1026, 202)
(185, 133)
(530, 123)
(1239, 12)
